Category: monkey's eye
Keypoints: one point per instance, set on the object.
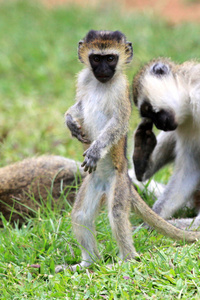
(96, 58)
(110, 58)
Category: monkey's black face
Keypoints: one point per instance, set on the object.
(163, 119)
(103, 66)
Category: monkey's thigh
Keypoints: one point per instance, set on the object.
(178, 191)
(119, 210)
(83, 215)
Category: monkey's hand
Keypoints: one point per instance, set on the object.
(92, 155)
(145, 142)
(75, 129)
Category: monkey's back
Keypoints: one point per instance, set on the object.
(25, 184)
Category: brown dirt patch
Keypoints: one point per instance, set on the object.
(174, 11)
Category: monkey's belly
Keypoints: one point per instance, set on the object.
(94, 124)
(105, 167)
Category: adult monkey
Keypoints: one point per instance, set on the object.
(100, 118)
(168, 95)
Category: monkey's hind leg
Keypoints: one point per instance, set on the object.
(179, 189)
(119, 210)
(83, 216)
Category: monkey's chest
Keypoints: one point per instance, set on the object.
(96, 115)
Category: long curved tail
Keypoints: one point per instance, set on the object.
(157, 222)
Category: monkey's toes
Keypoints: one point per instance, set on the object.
(60, 268)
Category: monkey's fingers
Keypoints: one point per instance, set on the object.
(85, 164)
(84, 153)
(71, 123)
(145, 142)
(81, 138)
(86, 168)
(92, 167)
(89, 165)
(75, 129)
(77, 133)
(146, 124)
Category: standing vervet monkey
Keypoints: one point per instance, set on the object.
(168, 95)
(100, 118)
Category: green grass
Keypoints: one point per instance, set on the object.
(166, 270)
(38, 65)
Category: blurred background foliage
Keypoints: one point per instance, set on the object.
(38, 67)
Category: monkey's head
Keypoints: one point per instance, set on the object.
(105, 53)
(157, 94)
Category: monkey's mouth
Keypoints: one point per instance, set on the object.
(163, 119)
(166, 125)
(103, 78)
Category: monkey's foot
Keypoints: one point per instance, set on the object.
(60, 268)
(145, 142)
(73, 268)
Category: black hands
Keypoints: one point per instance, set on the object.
(75, 129)
(145, 142)
(92, 155)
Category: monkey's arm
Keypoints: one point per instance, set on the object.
(109, 136)
(73, 120)
(151, 155)
(163, 153)
(144, 144)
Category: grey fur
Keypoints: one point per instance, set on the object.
(180, 90)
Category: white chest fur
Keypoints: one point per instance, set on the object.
(100, 101)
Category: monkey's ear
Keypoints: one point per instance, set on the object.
(80, 45)
(160, 69)
(129, 52)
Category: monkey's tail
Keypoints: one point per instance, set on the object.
(157, 222)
